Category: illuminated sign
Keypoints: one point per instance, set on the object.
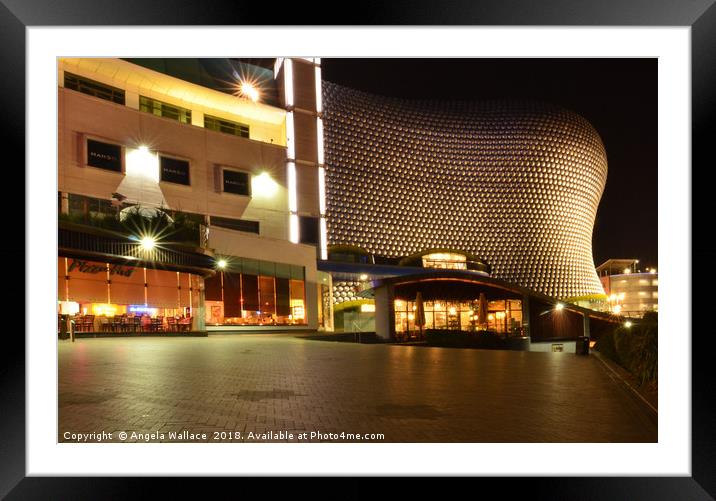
(91, 267)
(236, 182)
(104, 155)
(172, 170)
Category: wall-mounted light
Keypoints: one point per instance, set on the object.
(249, 90)
(263, 185)
(142, 163)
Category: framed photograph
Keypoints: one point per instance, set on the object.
(469, 235)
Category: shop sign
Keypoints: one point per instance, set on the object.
(236, 182)
(91, 267)
(104, 155)
(174, 170)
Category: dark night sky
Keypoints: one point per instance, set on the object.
(618, 97)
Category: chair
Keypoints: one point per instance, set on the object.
(114, 323)
(88, 323)
(171, 324)
(160, 324)
(104, 324)
(137, 323)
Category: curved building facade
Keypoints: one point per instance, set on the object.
(515, 183)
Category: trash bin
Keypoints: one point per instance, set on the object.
(64, 331)
(583, 345)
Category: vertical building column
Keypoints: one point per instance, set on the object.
(65, 203)
(197, 118)
(300, 82)
(131, 99)
(385, 312)
(586, 332)
(526, 315)
(198, 311)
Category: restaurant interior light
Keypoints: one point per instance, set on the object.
(559, 307)
(364, 277)
(627, 324)
(221, 263)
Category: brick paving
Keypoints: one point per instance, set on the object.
(242, 384)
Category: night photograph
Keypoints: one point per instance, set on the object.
(323, 250)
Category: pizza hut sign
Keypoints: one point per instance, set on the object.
(91, 267)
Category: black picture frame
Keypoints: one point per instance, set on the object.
(700, 15)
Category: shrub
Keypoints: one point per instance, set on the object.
(605, 345)
(645, 360)
(635, 349)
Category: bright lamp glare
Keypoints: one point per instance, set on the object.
(148, 243)
(249, 90)
(559, 307)
(627, 324)
(221, 263)
(263, 185)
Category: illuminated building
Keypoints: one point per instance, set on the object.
(308, 197)
(631, 292)
(515, 183)
(204, 142)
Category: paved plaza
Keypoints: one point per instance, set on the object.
(236, 387)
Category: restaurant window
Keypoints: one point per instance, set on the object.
(503, 316)
(165, 110)
(93, 88)
(256, 292)
(226, 126)
(110, 297)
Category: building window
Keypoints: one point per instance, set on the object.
(309, 230)
(226, 126)
(235, 224)
(93, 88)
(165, 110)
(252, 292)
(173, 170)
(445, 260)
(236, 182)
(102, 155)
(503, 316)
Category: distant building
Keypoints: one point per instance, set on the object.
(630, 291)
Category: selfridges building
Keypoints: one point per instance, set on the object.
(515, 183)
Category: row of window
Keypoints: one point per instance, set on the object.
(110, 156)
(153, 106)
(86, 207)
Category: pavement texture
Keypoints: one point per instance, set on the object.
(238, 388)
